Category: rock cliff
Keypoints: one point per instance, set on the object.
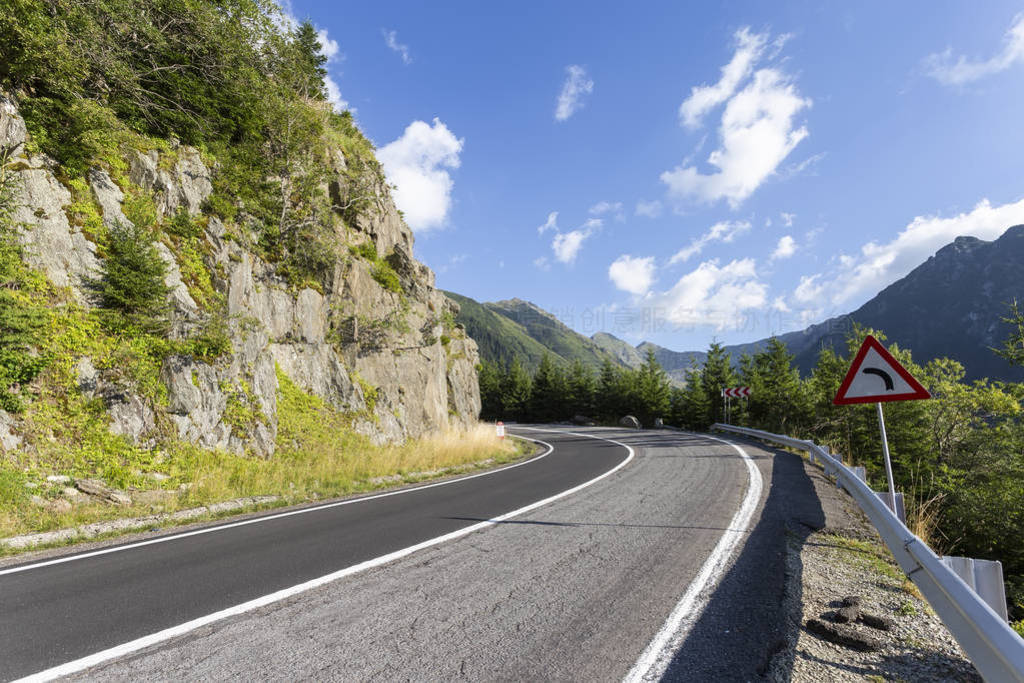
(389, 353)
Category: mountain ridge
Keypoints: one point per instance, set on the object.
(965, 285)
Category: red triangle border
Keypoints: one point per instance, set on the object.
(870, 342)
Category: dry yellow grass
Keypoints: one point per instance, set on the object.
(318, 456)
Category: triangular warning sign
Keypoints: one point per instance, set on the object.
(875, 376)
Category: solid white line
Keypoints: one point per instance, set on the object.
(659, 653)
(267, 518)
(152, 639)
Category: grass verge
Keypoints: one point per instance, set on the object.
(319, 456)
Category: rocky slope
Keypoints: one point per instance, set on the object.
(389, 353)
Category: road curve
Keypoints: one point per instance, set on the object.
(576, 589)
(55, 613)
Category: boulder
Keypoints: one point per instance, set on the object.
(9, 440)
(12, 126)
(630, 421)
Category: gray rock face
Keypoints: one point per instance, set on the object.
(129, 415)
(12, 126)
(383, 356)
(109, 196)
(187, 187)
(51, 243)
(9, 440)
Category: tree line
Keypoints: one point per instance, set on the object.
(958, 457)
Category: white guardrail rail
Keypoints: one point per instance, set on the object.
(995, 649)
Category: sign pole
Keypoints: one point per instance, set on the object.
(888, 462)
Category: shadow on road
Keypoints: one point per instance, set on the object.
(745, 623)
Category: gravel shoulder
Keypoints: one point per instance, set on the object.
(846, 557)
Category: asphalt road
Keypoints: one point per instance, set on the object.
(573, 590)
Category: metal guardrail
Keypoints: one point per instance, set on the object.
(995, 649)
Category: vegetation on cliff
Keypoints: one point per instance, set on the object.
(124, 103)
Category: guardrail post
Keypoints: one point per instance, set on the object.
(985, 577)
(900, 511)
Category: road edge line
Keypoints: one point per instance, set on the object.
(266, 518)
(654, 660)
(92, 660)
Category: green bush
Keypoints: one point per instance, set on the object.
(386, 277)
(132, 278)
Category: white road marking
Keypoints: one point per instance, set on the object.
(285, 593)
(658, 655)
(267, 518)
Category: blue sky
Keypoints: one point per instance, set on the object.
(717, 172)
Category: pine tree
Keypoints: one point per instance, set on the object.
(310, 60)
(132, 278)
(716, 374)
(489, 376)
(652, 391)
(547, 394)
(515, 393)
(609, 385)
(580, 387)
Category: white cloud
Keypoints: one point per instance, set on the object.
(328, 48)
(713, 295)
(704, 98)
(632, 274)
(576, 85)
(779, 304)
(550, 224)
(757, 133)
(758, 129)
(542, 263)
(334, 96)
(879, 265)
(810, 290)
(648, 209)
(787, 218)
(785, 248)
(949, 71)
(391, 40)
(417, 163)
(725, 231)
(567, 245)
(605, 207)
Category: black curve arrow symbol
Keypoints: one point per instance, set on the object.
(886, 377)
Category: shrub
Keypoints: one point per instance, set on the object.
(386, 277)
(132, 278)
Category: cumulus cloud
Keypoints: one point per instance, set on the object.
(950, 70)
(550, 224)
(632, 274)
(877, 266)
(417, 163)
(648, 209)
(714, 295)
(787, 218)
(725, 231)
(576, 86)
(567, 245)
(704, 98)
(758, 127)
(391, 40)
(785, 248)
